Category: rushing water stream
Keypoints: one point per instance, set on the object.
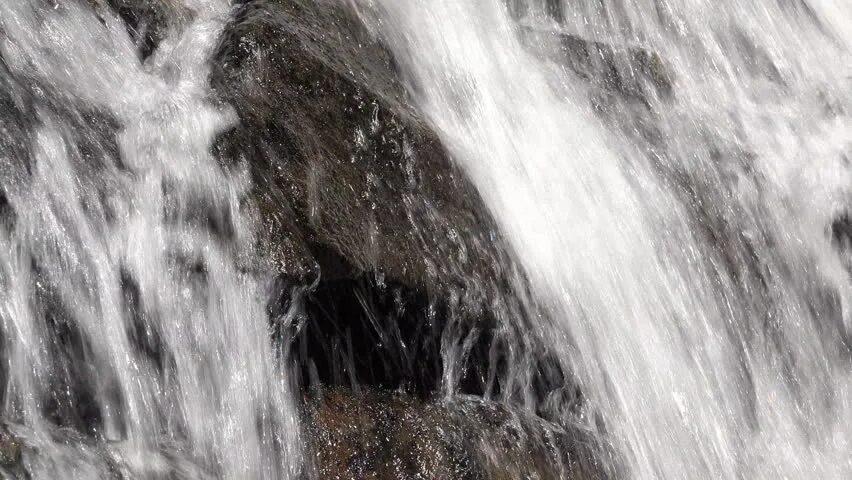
(678, 223)
(144, 225)
(706, 356)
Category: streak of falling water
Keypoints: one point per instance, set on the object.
(690, 280)
(124, 305)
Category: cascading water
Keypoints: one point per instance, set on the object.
(673, 176)
(688, 272)
(132, 252)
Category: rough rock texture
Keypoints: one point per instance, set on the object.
(10, 455)
(356, 198)
(15, 117)
(628, 72)
(342, 164)
(382, 436)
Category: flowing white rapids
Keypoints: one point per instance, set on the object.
(720, 355)
(155, 223)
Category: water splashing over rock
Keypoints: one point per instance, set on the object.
(673, 225)
(127, 307)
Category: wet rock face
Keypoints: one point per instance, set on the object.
(384, 436)
(15, 113)
(10, 454)
(373, 437)
(841, 237)
(148, 21)
(357, 199)
(340, 161)
(630, 73)
(377, 239)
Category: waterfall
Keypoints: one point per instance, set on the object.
(680, 243)
(134, 252)
(671, 177)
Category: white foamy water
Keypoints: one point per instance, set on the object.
(128, 250)
(691, 281)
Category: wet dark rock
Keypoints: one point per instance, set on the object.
(841, 237)
(841, 230)
(629, 72)
(382, 333)
(149, 21)
(16, 112)
(384, 436)
(388, 335)
(361, 210)
(341, 162)
(10, 449)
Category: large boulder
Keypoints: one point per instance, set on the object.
(343, 166)
(356, 198)
(627, 72)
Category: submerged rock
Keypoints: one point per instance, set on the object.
(627, 72)
(68, 454)
(148, 21)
